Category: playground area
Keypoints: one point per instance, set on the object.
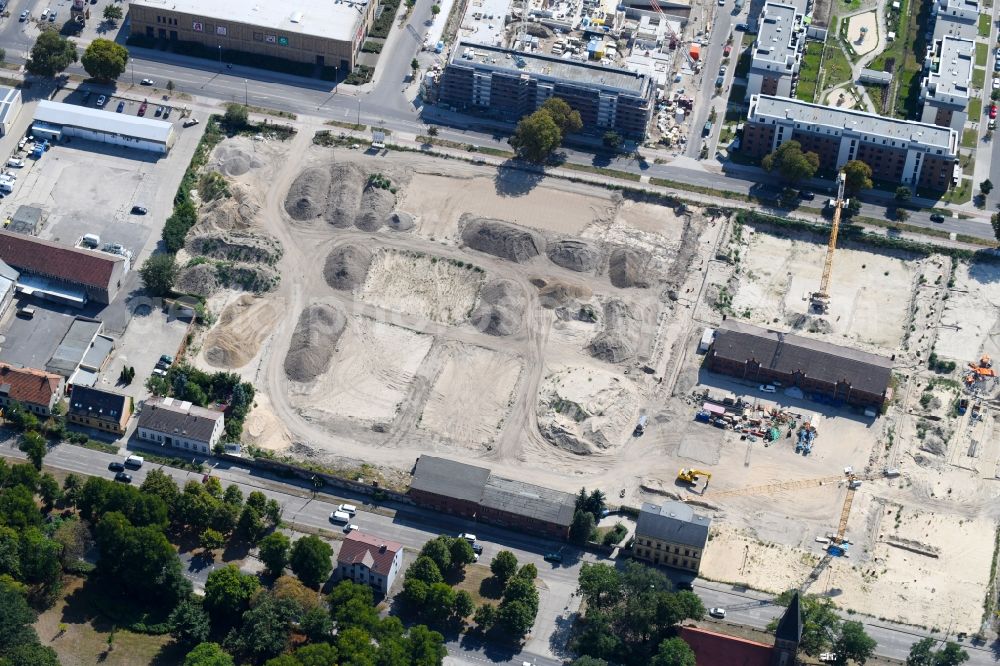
(863, 33)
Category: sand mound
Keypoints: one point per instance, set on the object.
(346, 184)
(347, 267)
(585, 410)
(501, 305)
(309, 195)
(576, 255)
(240, 331)
(198, 280)
(556, 294)
(376, 206)
(236, 246)
(627, 268)
(501, 239)
(235, 157)
(313, 342)
(228, 214)
(400, 221)
(619, 340)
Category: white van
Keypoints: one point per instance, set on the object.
(349, 509)
(134, 461)
(340, 517)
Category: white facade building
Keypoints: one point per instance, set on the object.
(10, 107)
(56, 120)
(369, 560)
(181, 425)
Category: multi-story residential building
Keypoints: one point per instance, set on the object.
(671, 534)
(777, 52)
(898, 151)
(508, 84)
(177, 423)
(946, 88)
(369, 560)
(104, 410)
(955, 18)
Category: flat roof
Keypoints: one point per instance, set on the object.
(57, 113)
(826, 119)
(778, 38)
(954, 70)
(550, 67)
(74, 346)
(326, 19)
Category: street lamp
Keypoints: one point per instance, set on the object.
(246, 93)
(359, 111)
(220, 56)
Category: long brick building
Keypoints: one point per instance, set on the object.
(898, 151)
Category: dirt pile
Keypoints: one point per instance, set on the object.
(627, 268)
(309, 195)
(244, 245)
(241, 330)
(376, 208)
(501, 239)
(235, 157)
(228, 214)
(501, 306)
(619, 340)
(347, 267)
(576, 255)
(344, 197)
(198, 280)
(400, 221)
(804, 322)
(313, 342)
(556, 294)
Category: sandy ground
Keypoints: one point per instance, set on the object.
(471, 395)
(372, 367)
(870, 293)
(834, 99)
(240, 331)
(871, 39)
(421, 285)
(438, 203)
(969, 321)
(263, 429)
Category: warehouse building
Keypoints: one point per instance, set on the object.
(898, 151)
(475, 493)
(327, 33)
(10, 107)
(776, 54)
(507, 84)
(946, 89)
(823, 371)
(54, 120)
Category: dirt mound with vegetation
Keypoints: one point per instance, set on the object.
(252, 246)
(501, 239)
(313, 342)
(501, 306)
(576, 255)
(627, 268)
(347, 267)
(554, 294)
(400, 221)
(231, 213)
(619, 340)
(198, 279)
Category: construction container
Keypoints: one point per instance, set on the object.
(695, 51)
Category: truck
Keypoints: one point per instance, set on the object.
(640, 427)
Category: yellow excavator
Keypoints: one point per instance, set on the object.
(692, 476)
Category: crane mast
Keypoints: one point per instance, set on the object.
(821, 299)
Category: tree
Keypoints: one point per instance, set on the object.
(503, 565)
(171, 86)
(236, 116)
(439, 603)
(438, 550)
(995, 221)
(310, 560)
(516, 618)
(211, 539)
(567, 120)
(923, 653)
(612, 140)
(426, 647)
(75, 540)
(48, 489)
(266, 627)
(316, 624)
(321, 654)
(208, 654)
(274, 552)
(461, 553)
(251, 525)
(589, 661)
(432, 130)
(902, 214)
(189, 623)
(104, 59)
(858, 177)
(113, 13)
(16, 619)
(903, 193)
(34, 445)
(674, 652)
(485, 617)
(228, 592)
(158, 273)
(50, 55)
(354, 646)
(581, 528)
(986, 186)
(71, 488)
(353, 605)
(536, 136)
(31, 654)
(435, 9)
(528, 572)
(853, 644)
(464, 605)
(415, 65)
(791, 163)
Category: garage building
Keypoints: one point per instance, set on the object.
(54, 120)
(326, 33)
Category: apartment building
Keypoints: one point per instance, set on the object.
(777, 52)
(946, 87)
(955, 18)
(898, 151)
(671, 534)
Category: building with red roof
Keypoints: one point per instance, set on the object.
(369, 560)
(714, 649)
(36, 391)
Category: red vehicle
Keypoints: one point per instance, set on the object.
(142, 109)
(993, 111)
(726, 51)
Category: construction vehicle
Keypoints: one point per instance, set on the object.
(820, 300)
(692, 476)
(640, 427)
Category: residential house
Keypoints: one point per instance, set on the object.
(369, 560)
(96, 408)
(35, 390)
(671, 534)
(181, 425)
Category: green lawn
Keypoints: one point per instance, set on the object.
(969, 138)
(984, 25)
(809, 72)
(836, 67)
(981, 52)
(978, 77)
(975, 109)
(959, 195)
(904, 58)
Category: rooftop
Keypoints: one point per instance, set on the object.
(74, 346)
(171, 416)
(372, 551)
(825, 119)
(675, 522)
(551, 67)
(954, 67)
(526, 499)
(57, 113)
(34, 255)
(447, 477)
(28, 385)
(95, 403)
(26, 219)
(778, 38)
(714, 649)
(328, 19)
(788, 354)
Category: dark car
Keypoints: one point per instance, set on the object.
(937, 217)
(742, 27)
(121, 107)
(719, 81)
(116, 467)
(123, 477)
(167, 359)
(142, 109)
(86, 96)
(190, 122)
(138, 210)
(554, 556)
(166, 113)
(477, 549)
(686, 585)
(806, 195)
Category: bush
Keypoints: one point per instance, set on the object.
(383, 24)
(372, 47)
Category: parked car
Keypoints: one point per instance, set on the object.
(993, 110)
(992, 125)
(471, 538)
(806, 195)
(167, 358)
(349, 527)
(52, 17)
(685, 585)
(138, 210)
(121, 107)
(996, 65)
(726, 51)
(767, 388)
(742, 27)
(166, 113)
(554, 556)
(477, 549)
(937, 217)
(159, 111)
(996, 83)
(24, 15)
(142, 109)
(26, 312)
(190, 122)
(124, 477)
(147, 82)
(15, 163)
(720, 81)
(101, 101)
(722, 71)
(717, 612)
(349, 509)
(45, 14)
(116, 467)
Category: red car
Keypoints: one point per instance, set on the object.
(993, 111)
(142, 109)
(726, 51)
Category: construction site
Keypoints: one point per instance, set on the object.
(555, 332)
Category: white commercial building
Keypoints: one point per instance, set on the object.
(55, 120)
(10, 106)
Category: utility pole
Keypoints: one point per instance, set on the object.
(246, 93)
(359, 111)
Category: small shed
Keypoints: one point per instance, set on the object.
(707, 336)
(27, 220)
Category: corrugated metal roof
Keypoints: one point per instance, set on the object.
(98, 120)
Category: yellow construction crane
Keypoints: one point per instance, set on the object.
(820, 301)
(691, 476)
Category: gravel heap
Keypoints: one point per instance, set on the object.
(198, 280)
(400, 221)
(344, 198)
(501, 306)
(347, 266)
(376, 208)
(627, 268)
(501, 239)
(309, 195)
(619, 340)
(236, 246)
(313, 342)
(235, 158)
(576, 255)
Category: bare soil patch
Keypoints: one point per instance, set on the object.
(241, 330)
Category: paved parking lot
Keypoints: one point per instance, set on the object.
(150, 333)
